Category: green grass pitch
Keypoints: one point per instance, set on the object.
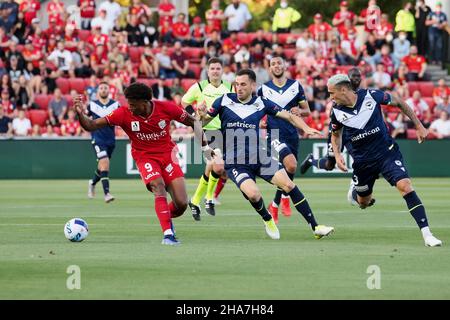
(227, 256)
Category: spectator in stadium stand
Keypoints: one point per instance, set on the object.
(166, 69)
(401, 48)
(405, 21)
(180, 30)
(37, 36)
(420, 108)
(97, 38)
(30, 10)
(63, 60)
(55, 9)
(113, 10)
(400, 82)
(21, 125)
(214, 16)
(99, 60)
(134, 32)
(318, 27)
(176, 89)
(13, 51)
(91, 89)
(213, 39)
(416, 65)
(228, 74)
(381, 78)
(437, 20)
(320, 94)
(166, 12)
(5, 124)
(46, 78)
(383, 29)
(421, 14)
(6, 84)
(197, 32)
(398, 127)
(8, 106)
(232, 43)
(284, 17)
(160, 90)
(441, 127)
(370, 16)
(180, 62)
(243, 54)
(351, 46)
(141, 10)
(261, 39)
(49, 132)
(57, 108)
(386, 58)
(441, 92)
(5, 22)
(149, 64)
(70, 39)
(87, 13)
(238, 16)
(23, 95)
(262, 75)
(55, 27)
(444, 106)
(344, 14)
(70, 126)
(20, 29)
(103, 22)
(14, 71)
(12, 8)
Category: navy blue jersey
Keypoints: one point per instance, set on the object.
(104, 136)
(365, 134)
(287, 97)
(240, 127)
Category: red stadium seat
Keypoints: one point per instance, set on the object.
(426, 88)
(168, 82)
(135, 54)
(42, 101)
(38, 117)
(194, 53)
(430, 102)
(63, 85)
(69, 100)
(83, 35)
(77, 84)
(283, 37)
(413, 86)
(244, 38)
(187, 83)
(196, 68)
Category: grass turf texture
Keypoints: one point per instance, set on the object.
(224, 257)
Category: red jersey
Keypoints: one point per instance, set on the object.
(165, 7)
(383, 29)
(216, 23)
(315, 29)
(149, 136)
(29, 9)
(55, 7)
(71, 127)
(414, 64)
(35, 52)
(372, 16)
(37, 41)
(441, 92)
(87, 8)
(180, 29)
(347, 15)
(98, 40)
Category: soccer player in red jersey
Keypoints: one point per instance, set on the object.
(147, 123)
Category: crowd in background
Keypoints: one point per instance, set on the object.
(42, 70)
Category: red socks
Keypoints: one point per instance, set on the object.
(163, 212)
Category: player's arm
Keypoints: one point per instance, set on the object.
(336, 143)
(422, 132)
(297, 122)
(87, 123)
(191, 96)
(302, 110)
(199, 134)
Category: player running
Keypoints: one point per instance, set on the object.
(147, 123)
(287, 94)
(103, 140)
(373, 150)
(240, 114)
(205, 92)
(329, 161)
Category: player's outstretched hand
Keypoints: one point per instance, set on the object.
(341, 163)
(78, 104)
(421, 134)
(313, 132)
(202, 110)
(208, 152)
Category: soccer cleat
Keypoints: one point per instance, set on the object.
(306, 164)
(274, 212)
(286, 207)
(109, 197)
(432, 241)
(91, 190)
(322, 231)
(170, 240)
(209, 207)
(195, 211)
(350, 199)
(272, 229)
(217, 202)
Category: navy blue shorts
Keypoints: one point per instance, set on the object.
(284, 147)
(391, 167)
(103, 151)
(241, 172)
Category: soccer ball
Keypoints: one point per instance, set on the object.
(76, 230)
